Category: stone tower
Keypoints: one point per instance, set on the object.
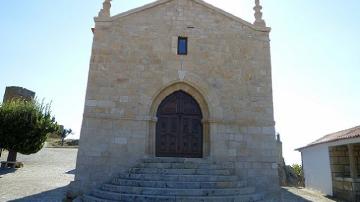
(180, 79)
(15, 92)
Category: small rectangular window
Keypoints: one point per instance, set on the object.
(182, 45)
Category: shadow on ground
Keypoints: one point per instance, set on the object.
(288, 196)
(55, 195)
(4, 171)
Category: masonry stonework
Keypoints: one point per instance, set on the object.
(15, 92)
(344, 179)
(134, 66)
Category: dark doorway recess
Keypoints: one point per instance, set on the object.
(179, 129)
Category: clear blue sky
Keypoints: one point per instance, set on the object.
(45, 47)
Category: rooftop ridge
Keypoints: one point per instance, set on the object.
(353, 132)
(255, 27)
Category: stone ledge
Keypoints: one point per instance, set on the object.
(244, 123)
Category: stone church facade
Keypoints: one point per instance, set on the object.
(180, 79)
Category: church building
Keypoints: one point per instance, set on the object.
(178, 107)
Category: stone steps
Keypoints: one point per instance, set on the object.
(190, 165)
(175, 179)
(177, 184)
(113, 197)
(176, 160)
(180, 178)
(177, 171)
(176, 191)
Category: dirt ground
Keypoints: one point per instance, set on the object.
(45, 177)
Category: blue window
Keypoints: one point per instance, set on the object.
(182, 45)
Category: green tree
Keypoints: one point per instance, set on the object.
(64, 133)
(298, 169)
(24, 126)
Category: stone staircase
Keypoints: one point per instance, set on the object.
(176, 179)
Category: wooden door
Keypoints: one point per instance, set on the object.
(179, 130)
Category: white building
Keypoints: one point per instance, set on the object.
(332, 164)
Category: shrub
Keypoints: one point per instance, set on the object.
(24, 126)
(298, 169)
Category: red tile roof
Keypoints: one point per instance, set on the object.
(341, 135)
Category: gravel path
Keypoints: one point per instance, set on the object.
(43, 177)
(46, 174)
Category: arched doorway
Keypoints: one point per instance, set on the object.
(179, 129)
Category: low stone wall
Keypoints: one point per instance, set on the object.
(344, 186)
(339, 160)
(347, 188)
(357, 157)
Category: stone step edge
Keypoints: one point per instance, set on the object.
(176, 197)
(182, 189)
(227, 169)
(169, 181)
(87, 197)
(198, 161)
(236, 183)
(177, 158)
(164, 174)
(195, 170)
(166, 180)
(181, 164)
(185, 162)
(249, 196)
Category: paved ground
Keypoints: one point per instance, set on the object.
(47, 173)
(43, 177)
(302, 195)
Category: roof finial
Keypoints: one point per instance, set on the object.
(105, 11)
(258, 14)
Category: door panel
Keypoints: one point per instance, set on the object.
(179, 127)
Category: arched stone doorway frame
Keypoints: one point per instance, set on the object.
(161, 95)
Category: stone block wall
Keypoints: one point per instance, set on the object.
(252, 150)
(12, 92)
(339, 160)
(344, 186)
(357, 158)
(134, 66)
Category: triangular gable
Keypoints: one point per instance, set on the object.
(201, 2)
